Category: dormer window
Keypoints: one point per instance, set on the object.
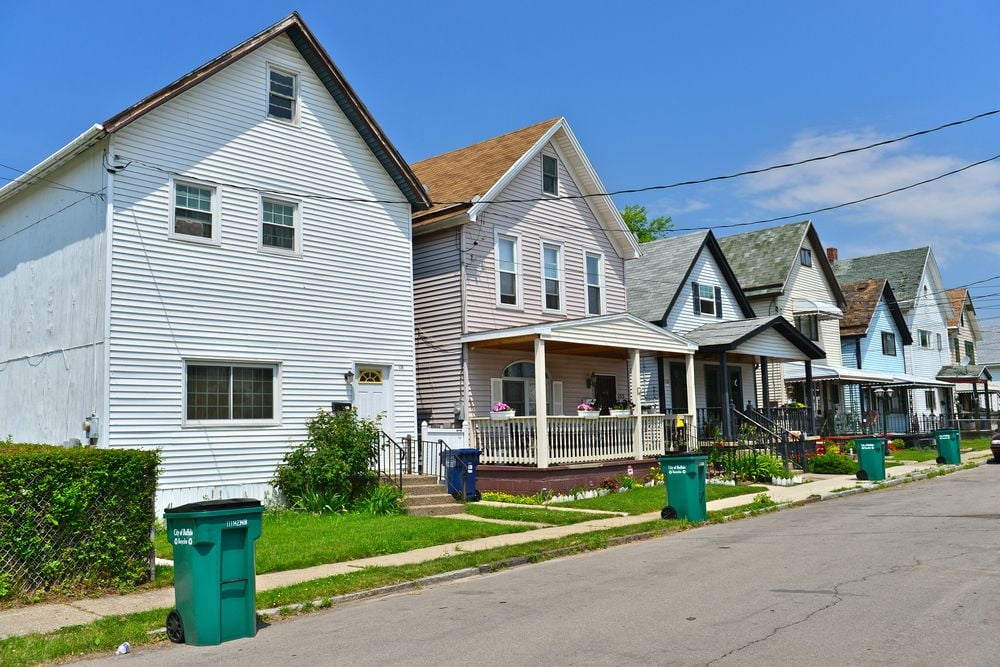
(550, 175)
(282, 89)
(805, 256)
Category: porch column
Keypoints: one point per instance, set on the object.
(541, 416)
(467, 413)
(727, 421)
(765, 387)
(986, 396)
(636, 399)
(810, 397)
(692, 407)
(975, 400)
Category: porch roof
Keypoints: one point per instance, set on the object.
(730, 335)
(964, 373)
(795, 372)
(620, 331)
(823, 309)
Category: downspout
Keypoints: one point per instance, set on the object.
(109, 226)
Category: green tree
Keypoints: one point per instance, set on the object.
(646, 230)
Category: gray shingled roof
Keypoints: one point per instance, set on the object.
(959, 372)
(988, 349)
(724, 333)
(903, 269)
(762, 259)
(652, 280)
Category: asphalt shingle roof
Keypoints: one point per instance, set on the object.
(653, 280)
(862, 300)
(957, 299)
(723, 333)
(988, 349)
(903, 269)
(461, 174)
(960, 372)
(762, 259)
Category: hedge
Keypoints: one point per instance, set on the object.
(74, 520)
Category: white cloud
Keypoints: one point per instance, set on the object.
(956, 215)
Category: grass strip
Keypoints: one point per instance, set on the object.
(918, 455)
(653, 498)
(537, 515)
(334, 538)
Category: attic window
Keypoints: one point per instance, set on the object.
(806, 256)
(550, 175)
(706, 297)
(889, 343)
(282, 88)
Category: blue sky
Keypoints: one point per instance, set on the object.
(656, 92)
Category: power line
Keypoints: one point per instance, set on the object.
(51, 215)
(39, 177)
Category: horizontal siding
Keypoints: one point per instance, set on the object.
(872, 357)
(346, 300)
(52, 300)
(568, 221)
(437, 291)
(681, 317)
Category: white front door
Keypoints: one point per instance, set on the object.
(373, 395)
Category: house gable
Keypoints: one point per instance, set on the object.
(706, 270)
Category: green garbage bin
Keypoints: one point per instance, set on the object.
(214, 576)
(871, 458)
(948, 441)
(684, 478)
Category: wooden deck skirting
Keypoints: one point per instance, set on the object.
(525, 480)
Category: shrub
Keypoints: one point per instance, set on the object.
(611, 484)
(753, 466)
(832, 464)
(383, 500)
(73, 520)
(335, 461)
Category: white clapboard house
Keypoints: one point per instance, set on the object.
(205, 270)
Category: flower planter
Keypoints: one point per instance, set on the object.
(502, 415)
(589, 414)
(621, 413)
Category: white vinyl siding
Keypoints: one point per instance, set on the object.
(52, 314)
(682, 317)
(347, 301)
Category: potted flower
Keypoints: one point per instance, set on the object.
(587, 409)
(501, 410)
(622, 407)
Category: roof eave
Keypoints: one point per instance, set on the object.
(83, 142)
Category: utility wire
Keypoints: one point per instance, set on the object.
(39, 177)
(52, 215)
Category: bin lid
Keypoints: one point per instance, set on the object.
(214, 505)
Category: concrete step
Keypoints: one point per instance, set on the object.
(426, 490)
(429, 499)
(418, 480)
(437, 510)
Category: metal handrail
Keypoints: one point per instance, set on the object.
(395, 473)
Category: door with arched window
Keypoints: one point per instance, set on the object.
(516, 388)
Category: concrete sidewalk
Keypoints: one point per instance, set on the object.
(42, 618)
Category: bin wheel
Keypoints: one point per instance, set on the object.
(668, 512)
(175, 627)
(862, 475)
(940, 459)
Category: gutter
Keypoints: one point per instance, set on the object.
(85, 141)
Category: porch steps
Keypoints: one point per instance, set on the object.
(425, 497)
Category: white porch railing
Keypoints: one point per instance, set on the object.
(571, 439)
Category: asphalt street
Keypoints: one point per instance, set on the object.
(909, 575)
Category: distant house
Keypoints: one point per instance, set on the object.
(917, 285)
(197, 273)
(873, 335)
(685, 285)
(520, 299)
(988, 354)
(785, 271)
(971, 379)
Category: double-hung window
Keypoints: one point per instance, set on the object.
(925, 338)
(550, 175)
(220, 392)
(595, 283)
(888, 343)
(706, 299)
(930, 400)
(806, 256)
(282, 94)
(970, 351)
(194, 211)
(279, 225)
(508, 272)
(552, 268)
(808, 325)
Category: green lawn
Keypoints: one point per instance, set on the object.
(918, 454)
(976, 443)
(539, 515)
(292, 540)
(653, 498)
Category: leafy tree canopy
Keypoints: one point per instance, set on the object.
(645, 229)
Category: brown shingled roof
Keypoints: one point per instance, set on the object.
(462, 174)
(957, 298)
(862, 300)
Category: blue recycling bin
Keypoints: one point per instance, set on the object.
(460, 467)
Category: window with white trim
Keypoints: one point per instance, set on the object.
(279, 224)
(806, 256)
(229, 392)
(282, 94)
(194, 210)
(706, 299)
(925, 338)
(508, 275)
(595, 283)
(550, 175)
(552, 268)
(888, 343)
